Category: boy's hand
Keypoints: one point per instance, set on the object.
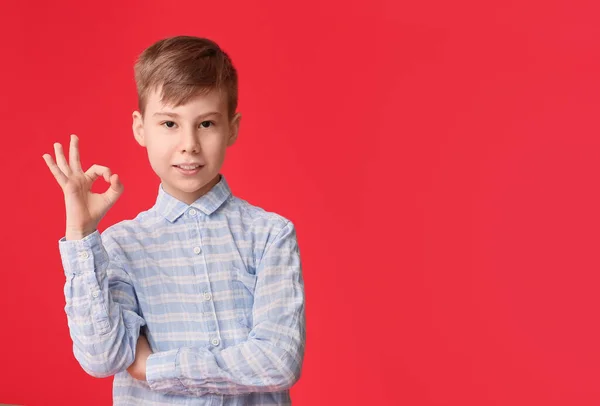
(142, 352)
(84, 208)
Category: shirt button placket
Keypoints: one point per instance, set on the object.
(206, 295)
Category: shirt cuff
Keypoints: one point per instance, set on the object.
(162, 371)
(82, 255)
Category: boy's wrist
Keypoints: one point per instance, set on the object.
(77, 234)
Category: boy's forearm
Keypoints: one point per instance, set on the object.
(228, 371)
(103, 345)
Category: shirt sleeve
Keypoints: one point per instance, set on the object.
(101, 306)
(271, 359)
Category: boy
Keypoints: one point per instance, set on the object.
(198, 300)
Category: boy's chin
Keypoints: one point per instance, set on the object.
(190, 184)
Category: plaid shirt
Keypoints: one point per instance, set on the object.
(216, 287)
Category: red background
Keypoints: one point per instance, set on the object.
(439, 160)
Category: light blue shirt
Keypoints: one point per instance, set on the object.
(216, 287)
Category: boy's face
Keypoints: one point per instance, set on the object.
(189, 134)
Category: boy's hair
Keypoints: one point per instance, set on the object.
(185, 66)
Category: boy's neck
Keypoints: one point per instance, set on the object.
(190, 198)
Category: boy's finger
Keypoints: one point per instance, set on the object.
(98, 170)
(61, 160)
(58, 174)
(114, 191)
(74, 154)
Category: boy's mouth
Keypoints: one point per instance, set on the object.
(188, 169)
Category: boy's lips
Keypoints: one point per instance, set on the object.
(191, 169)
(189, 164)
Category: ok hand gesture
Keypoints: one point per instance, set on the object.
(84, 208)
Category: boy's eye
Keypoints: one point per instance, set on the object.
(202, 123)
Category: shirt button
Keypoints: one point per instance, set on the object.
(95, 293)
(215, 341)
(207, 296)
(197, 250)
(84, 255)
(192, 212)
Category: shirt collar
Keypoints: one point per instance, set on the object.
(172, 208)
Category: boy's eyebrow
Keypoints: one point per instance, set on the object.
(166, 113)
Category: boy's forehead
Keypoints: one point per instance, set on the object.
(211, 96)
(212, 100)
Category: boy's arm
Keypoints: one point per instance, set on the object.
(101, 306)
(270, 360)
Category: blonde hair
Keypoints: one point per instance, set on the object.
(183, 67)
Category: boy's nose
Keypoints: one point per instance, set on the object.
(190, 142)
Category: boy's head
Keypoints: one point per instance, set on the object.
(187, 95)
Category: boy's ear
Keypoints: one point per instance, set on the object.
(138, 128)
(234, 127)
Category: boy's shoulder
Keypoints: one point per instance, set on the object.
(265, 226)
(258, 215)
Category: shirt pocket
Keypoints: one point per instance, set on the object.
(243, 285)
